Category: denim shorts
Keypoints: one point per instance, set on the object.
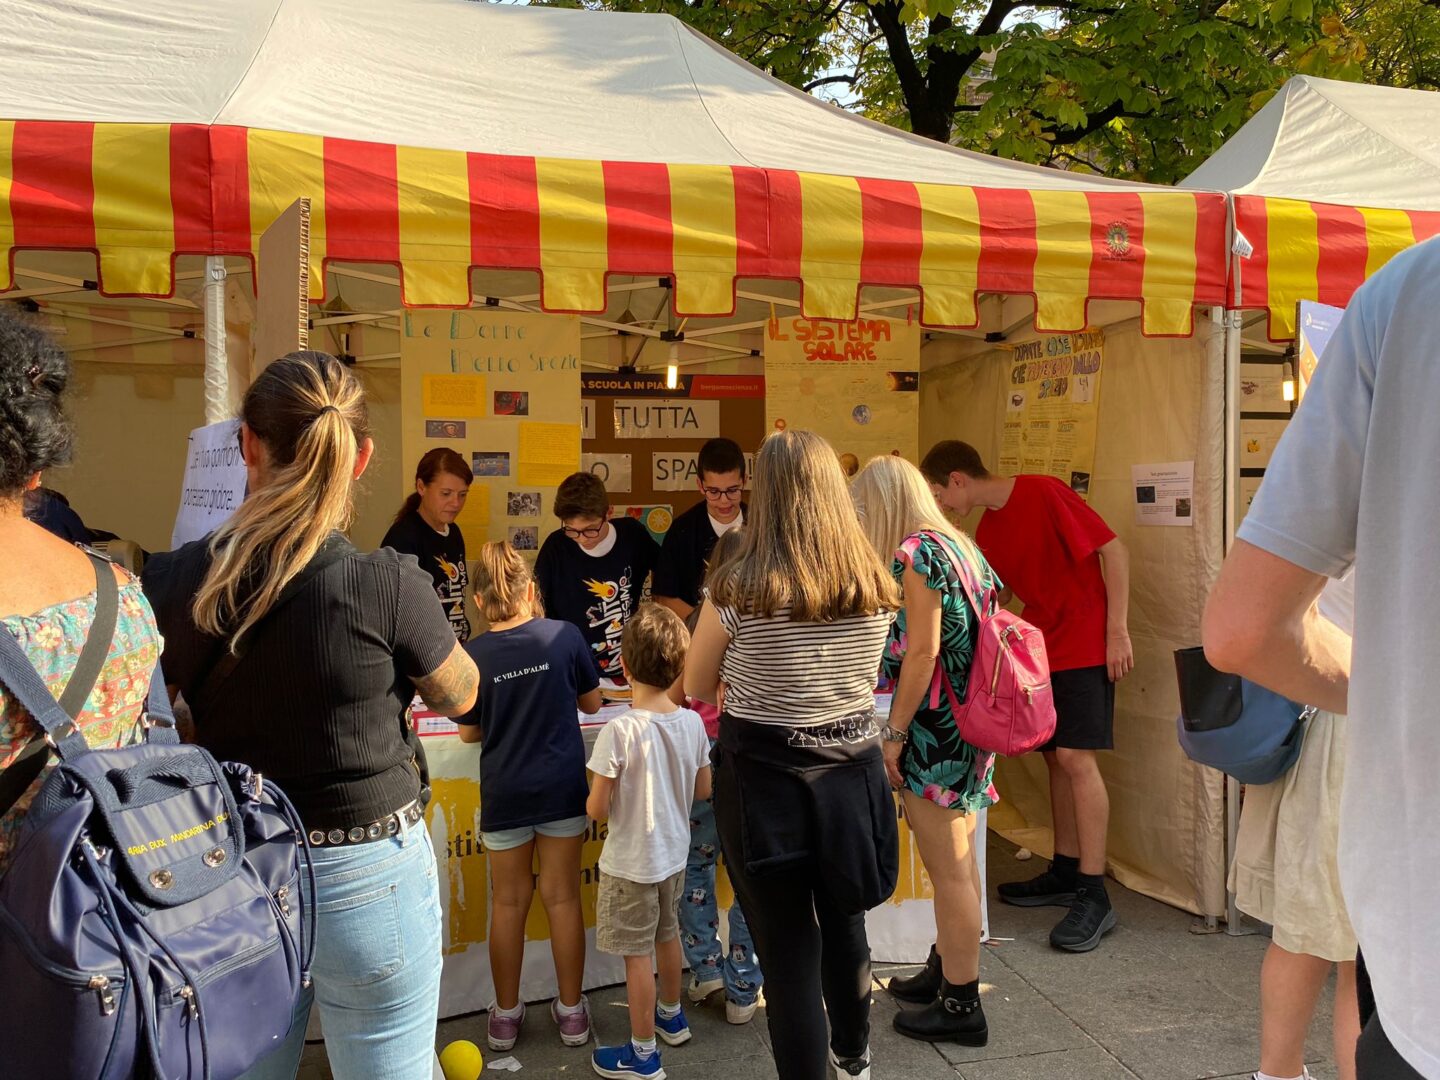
(506, 839)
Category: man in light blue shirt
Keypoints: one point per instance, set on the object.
(1353, 482)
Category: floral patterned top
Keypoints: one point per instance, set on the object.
(52, 638)
(936, 764)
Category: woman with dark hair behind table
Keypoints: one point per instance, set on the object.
(49, 590)
(425, 527)
(299, 655)
(794, 628)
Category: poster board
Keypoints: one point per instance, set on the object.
(642, 438)
(282, 280)
(855, 383)
(502, 389)
(1051, 404)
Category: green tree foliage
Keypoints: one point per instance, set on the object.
(1146, 89)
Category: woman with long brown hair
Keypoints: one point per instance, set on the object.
(425, 527)
(943, 780)
(299, 656)
(794, 630)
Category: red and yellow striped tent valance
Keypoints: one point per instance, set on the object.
(1316, 251)
(139, 194)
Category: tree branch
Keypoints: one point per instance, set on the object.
(830, 80)
(1113, 111)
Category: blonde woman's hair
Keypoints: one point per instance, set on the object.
(501, 577)
(894, 501)
(803, 548)
(309, 412)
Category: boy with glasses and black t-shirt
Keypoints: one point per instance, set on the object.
(592, 570)
(681, 569)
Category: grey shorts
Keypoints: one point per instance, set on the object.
(631, 918)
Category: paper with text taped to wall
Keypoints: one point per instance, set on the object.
(452, 395)
(548, 453)
(214, 484)
(1164, 494)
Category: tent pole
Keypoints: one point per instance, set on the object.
(217, 370)
(1233, 326)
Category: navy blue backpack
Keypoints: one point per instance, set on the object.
(151, 919)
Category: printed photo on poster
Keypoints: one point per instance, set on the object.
(525, 537)
(904, 382)
(655, 518)
(445, 429)
(490, 463)
(522, 504)
(512, 403)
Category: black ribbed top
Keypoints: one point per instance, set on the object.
(318, 702)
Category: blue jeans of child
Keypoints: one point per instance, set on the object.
(377, 963)
(700, 918)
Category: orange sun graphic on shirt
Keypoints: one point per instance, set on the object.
(450, 569)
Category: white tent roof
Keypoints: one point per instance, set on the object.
(452, 74)
(1335, 142)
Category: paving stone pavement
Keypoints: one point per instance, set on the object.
(1154, 1002)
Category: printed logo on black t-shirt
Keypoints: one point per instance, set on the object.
(608, 613)
(450, 581)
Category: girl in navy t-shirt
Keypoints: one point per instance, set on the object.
(533, 673)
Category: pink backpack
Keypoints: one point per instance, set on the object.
(1009, 707)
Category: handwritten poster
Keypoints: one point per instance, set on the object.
(855, 383)
(514, 378)
(1051, 408)
(214, 484)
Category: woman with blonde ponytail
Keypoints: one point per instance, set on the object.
(299, 656)
(532, 785)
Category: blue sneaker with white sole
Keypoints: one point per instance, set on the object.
(675, 1030)
(618, 1062)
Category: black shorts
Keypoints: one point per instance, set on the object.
(1084, 709)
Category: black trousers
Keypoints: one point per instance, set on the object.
(1375, 1057)
(815, 957)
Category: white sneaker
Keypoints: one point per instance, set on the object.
(699, 991)
(851, 1068)
(739, 1014)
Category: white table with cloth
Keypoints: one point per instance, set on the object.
(901, 930)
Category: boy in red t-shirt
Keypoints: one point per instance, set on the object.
(1073, 575)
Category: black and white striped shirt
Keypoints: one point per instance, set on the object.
(777, 671)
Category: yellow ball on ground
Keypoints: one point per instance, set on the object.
(461, 1060)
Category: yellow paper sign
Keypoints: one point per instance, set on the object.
(474, 518)
(453, 395)
(548, 453)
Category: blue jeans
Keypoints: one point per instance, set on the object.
(377, 963)
(700, 918)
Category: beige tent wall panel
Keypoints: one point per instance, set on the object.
(388, 479)
(131, 425)
(1160, 400)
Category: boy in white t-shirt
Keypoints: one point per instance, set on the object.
(650, 764)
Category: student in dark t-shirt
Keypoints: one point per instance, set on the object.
(686, 552)
(592, 570)
(425, 527)
(533, 673)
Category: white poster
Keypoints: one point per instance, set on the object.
(667, 418)
(587, 418)
(1249, 488)
(680, 471)
(1164, 494)
(1262, 388)
(1258, 439)
(214, 484)
(613, 470)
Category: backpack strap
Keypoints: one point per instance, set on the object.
(57, 718)
(332, 551)
(972, 583)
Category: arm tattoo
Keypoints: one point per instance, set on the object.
(450, 689)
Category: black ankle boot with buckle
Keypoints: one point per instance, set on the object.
(921, 987)
(954, 1015)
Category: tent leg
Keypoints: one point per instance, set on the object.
(1232, 520)
(217, 370)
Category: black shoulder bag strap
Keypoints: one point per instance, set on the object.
(331, 552)
(16, 780)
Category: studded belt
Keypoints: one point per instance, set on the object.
(386, 827)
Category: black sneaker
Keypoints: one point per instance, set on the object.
(1044, 890)
(1091, 918)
